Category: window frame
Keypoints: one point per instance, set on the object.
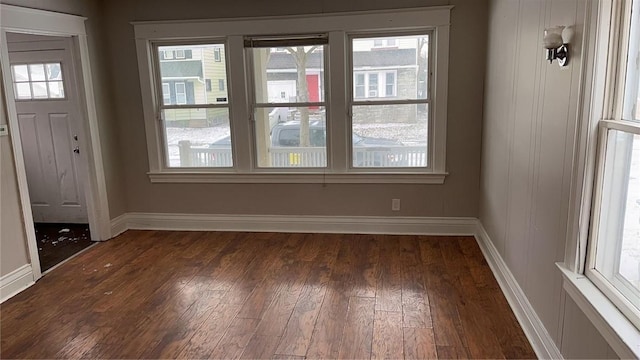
(383, 100)
(610, 119)
(255, 104)
(157, 85)
(231, 32)
(46, 81)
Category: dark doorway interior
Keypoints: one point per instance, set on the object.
(58, 242)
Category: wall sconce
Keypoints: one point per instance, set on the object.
(556, 42)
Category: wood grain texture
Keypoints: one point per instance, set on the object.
(154, 294)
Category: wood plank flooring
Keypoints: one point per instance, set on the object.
(153, 294)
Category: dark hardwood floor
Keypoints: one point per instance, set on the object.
(152, 294)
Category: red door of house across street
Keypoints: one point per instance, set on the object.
(314, 91)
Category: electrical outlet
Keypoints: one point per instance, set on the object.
(395, 204)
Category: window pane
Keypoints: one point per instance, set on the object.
(618, 256)
(20, 73)
(23, 91)
(282, 142)
(297, 72)
(408, 57)
(390, 135)
(195, 65)
(37, 72)
(39, 90)
(54, 72)
(631, 108)
(198, 137)
(56, 90)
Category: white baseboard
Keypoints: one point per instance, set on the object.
(537, 334)
(285, 223)
(15, 281)
(119, 225)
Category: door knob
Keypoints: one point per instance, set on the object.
(76, 150)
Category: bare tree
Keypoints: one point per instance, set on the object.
(301, 57)
(422, 78)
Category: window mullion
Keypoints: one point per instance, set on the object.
(239, 105)
(338, 124)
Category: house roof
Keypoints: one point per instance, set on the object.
(392, 57)
(178, 69)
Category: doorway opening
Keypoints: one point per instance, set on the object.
(50, 121)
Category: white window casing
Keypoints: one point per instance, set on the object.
(591, 265)
(338, 27)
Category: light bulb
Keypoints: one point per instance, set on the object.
(553, 37)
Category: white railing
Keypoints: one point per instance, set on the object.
(204, 157)
(386, 156)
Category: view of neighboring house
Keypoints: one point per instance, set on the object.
(192, 75)
(383, 69)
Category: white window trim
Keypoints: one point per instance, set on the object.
(602, 45)
(180, 54)
(435, 19)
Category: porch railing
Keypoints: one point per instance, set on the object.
(283, 157)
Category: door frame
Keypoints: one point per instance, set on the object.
(40, 22)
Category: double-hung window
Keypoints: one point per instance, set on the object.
(195, 119)
(292, 133)
(395, 112)
(613, 263)
(314, 98)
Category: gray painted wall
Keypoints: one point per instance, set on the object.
(457, 197)
(13, 240)
(529, 124)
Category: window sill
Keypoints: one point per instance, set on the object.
(615, 328)
(299, 178)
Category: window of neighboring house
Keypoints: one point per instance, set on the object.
(614, 257)
(390, 84)
(388, 42)
(405, 118)
(304, 115)
(194, 121)
(180, 54)
(379, 84)
(373, 85)
(181, 93)
(168, 54)
(166, 94)
(38, 81)
(379, 119)
(359, 84)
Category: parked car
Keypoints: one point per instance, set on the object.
(368, 151)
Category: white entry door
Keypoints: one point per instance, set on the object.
(48, 115)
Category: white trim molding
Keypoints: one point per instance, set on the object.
(534, 329)
(40, 22)
(287, 223)
(339, 29)
(15, 282)
(615, 328)
(266, 178)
